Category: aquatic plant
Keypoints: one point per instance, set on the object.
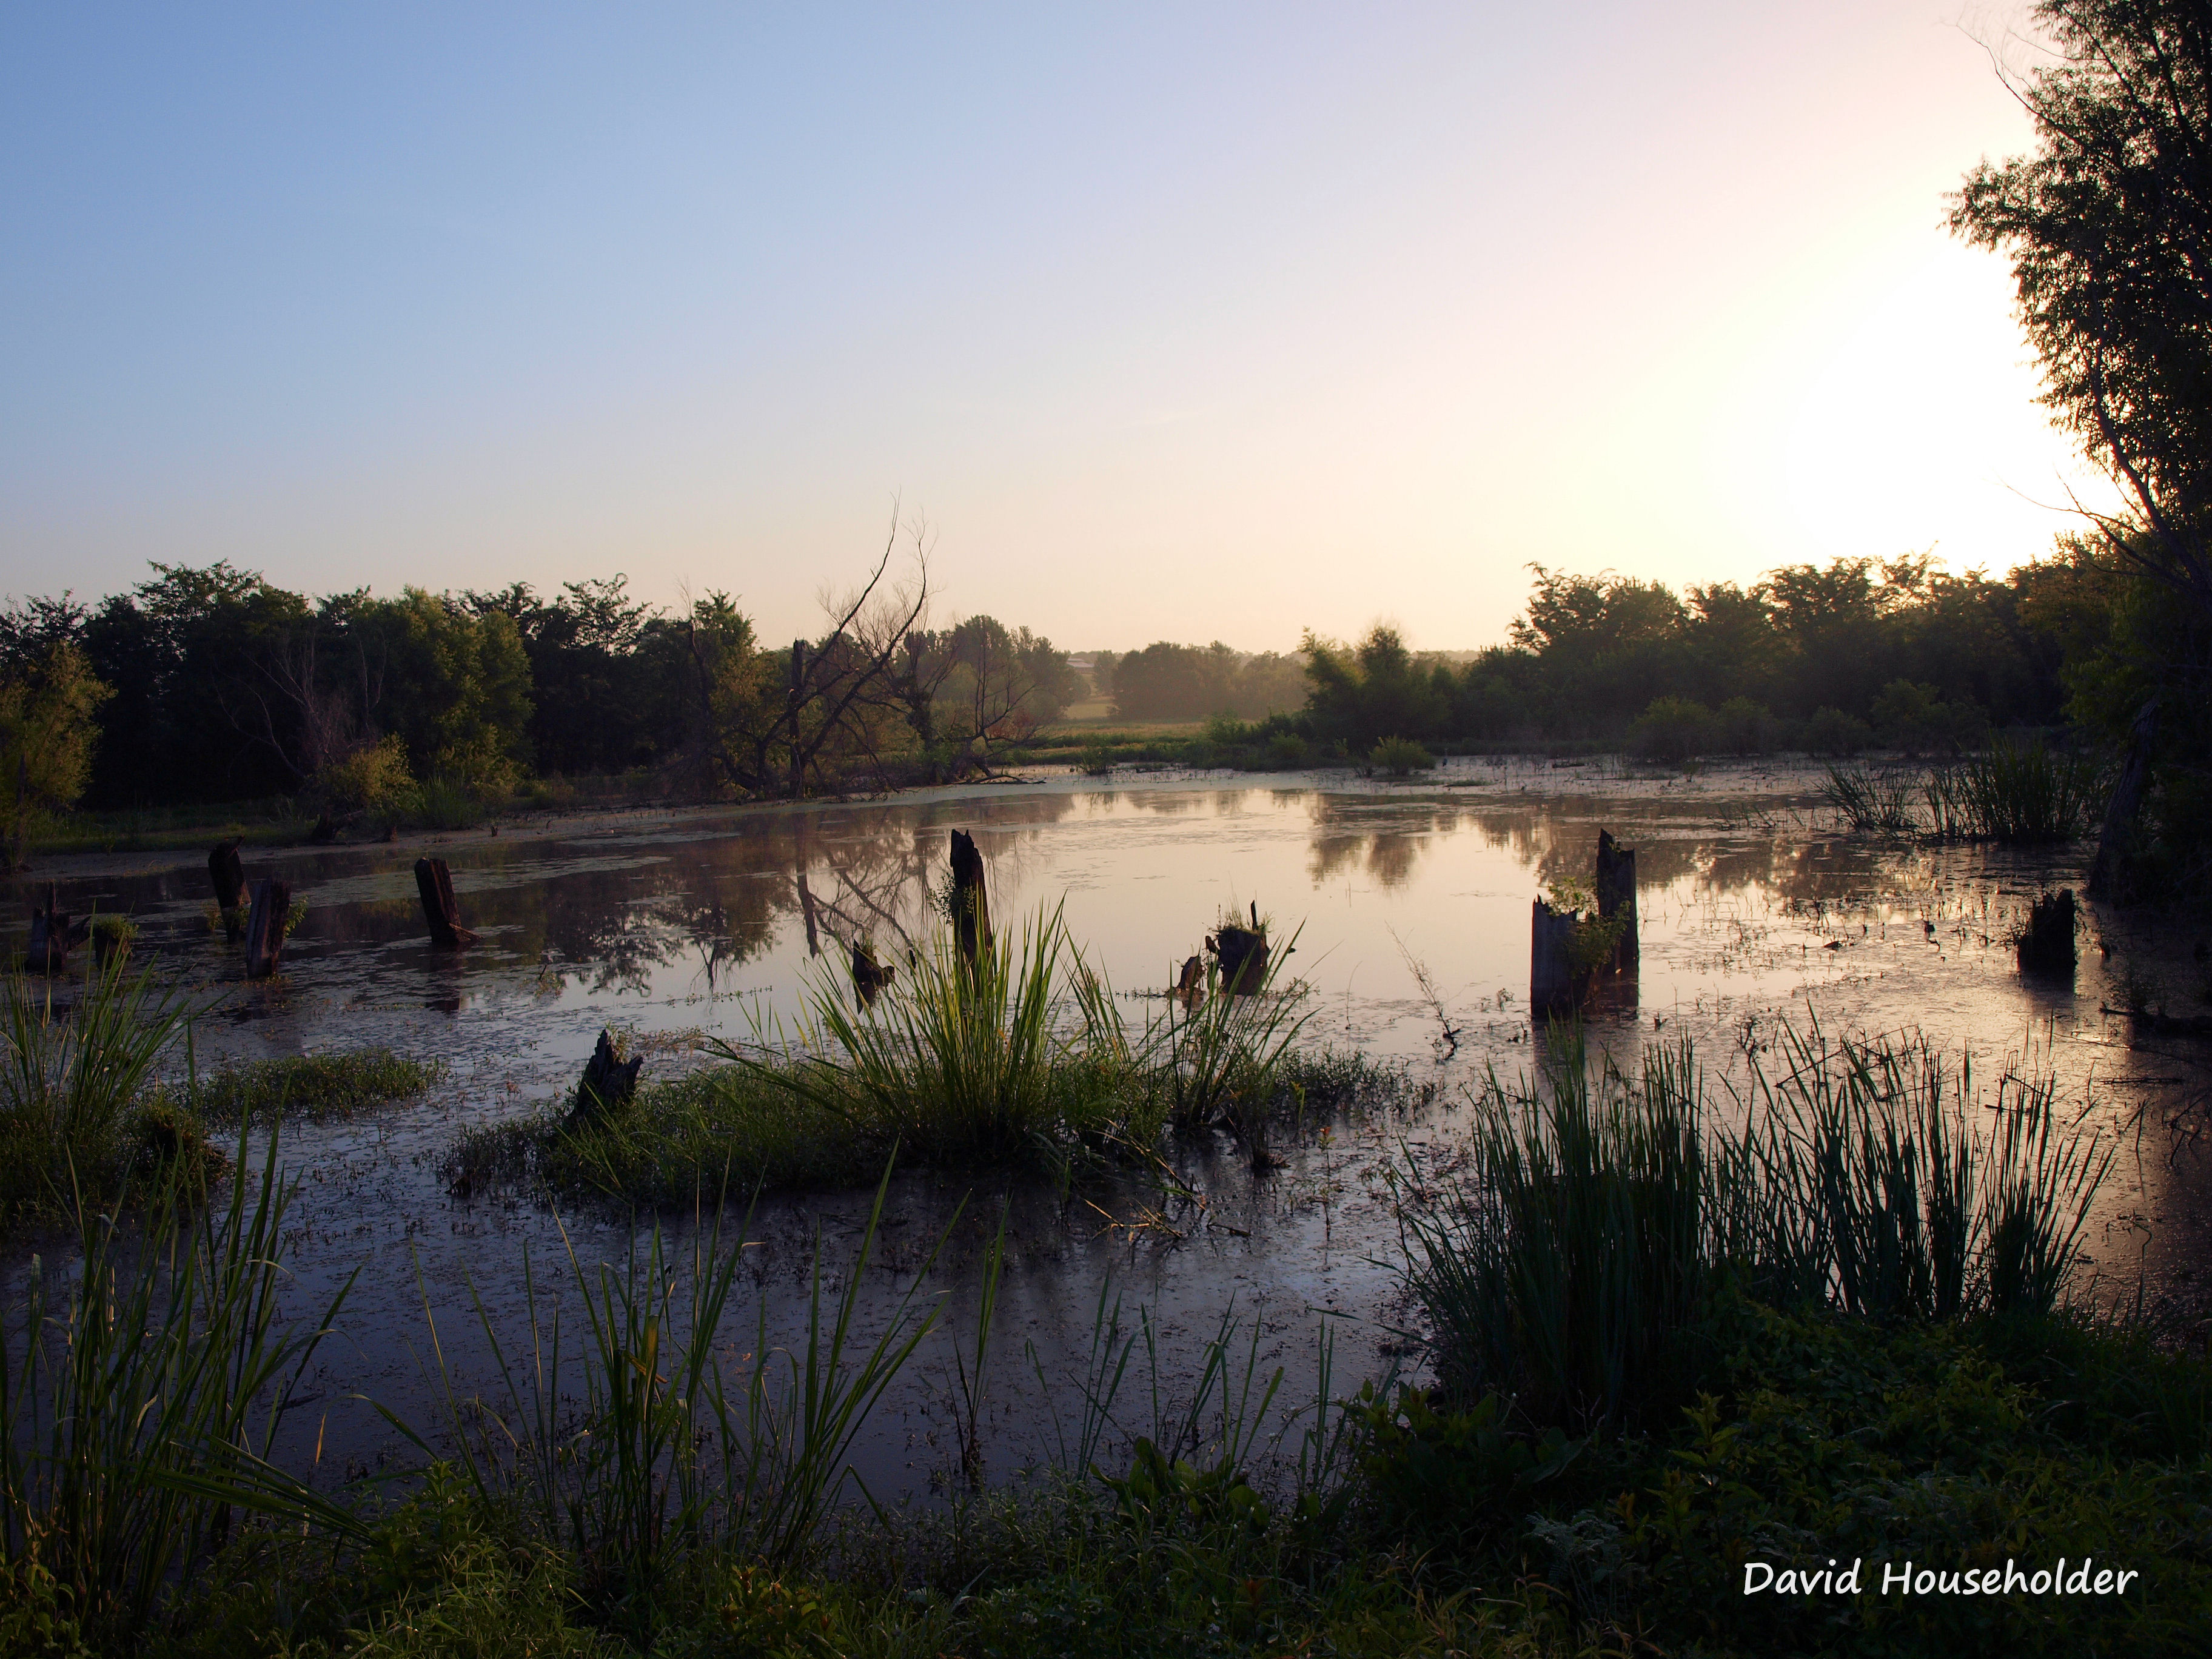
(140, 1387)
(72, 1079)
(1870, 802)
(1568, 1271)
(2018, 792)
(956, 1058)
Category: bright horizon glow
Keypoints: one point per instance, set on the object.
(1172, 324)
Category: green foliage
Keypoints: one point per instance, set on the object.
(456, 687)
(48, 703)
(2016, 793)
(74, 1086)
(139, 1396)
(312, 1087)
(1401, 757)
(1832, 732)
(1672, 729)
(1916, 719)
(372, 778)
(1165, 682)
(1571, 1270)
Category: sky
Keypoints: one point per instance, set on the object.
(1182, 322)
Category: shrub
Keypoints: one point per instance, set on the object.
(1916, 719)
(1401, 757)
(1832, 732)
(371, 779)
(1672, 729)
(1744, 728)
(1287, 749)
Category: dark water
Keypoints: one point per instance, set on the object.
(1411, 909)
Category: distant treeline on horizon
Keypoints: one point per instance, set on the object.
(211, 684)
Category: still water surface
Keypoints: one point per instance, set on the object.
(1411, 909)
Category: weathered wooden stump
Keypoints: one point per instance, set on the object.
(869, 977)
(1555, 986)
(2046, 945)
(1616, 898)
(609, 1083)
(227, 875)
(51, 936)
(971, 905)
(1191, 981)
(265, 916)
(1243, 954)
(325, 830)
(435, 884)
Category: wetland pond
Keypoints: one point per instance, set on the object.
(1410, 907)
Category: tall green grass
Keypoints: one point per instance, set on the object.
(954, 1060)
(1871, 802)
(75, 1080)
(2018, 792)
(669, 1454)
(1568, 1271)
(140, 1387)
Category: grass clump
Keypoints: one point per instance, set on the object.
(1570, 1272)
(1871, 802)
(78, 1116)
(315, 1087)
(674, 1140)
(1401, 757)
(2015, 792)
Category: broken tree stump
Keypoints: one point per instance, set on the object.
(2046, 944)
(50, 938)
(265, 916)
(1616, 898)
(436, 884)
(971, 906)
(227, 875)
(1243, 954)
(1555, 987)
(609, 1083)
(869, 977)
(1191, 981)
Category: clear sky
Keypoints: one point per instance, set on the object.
(1184, 321)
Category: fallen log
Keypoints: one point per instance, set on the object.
(265, 917)
(436, 884)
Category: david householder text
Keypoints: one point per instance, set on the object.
(2085, 1579)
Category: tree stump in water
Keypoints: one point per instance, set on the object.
(971, 906)
(2045, 945)
(1554, 985)
(227, 877)
(609, 1083)
(325, 830)
(264, 928)
(1191, 981)
(1616, 898)
(50, 938)
(435, 884)
(869, 977)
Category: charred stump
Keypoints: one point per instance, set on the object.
(227, 875)
(869, 977)
(1191, 981)
(1243, 955)
(435, 884)
(1556, 984)
(1616, 899)
(265, 917)
(609, 1083)
(51, 936)
(971, 905)
(2045, 945)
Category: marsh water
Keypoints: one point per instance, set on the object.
(1410, 908)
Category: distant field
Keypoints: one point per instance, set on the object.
(1093, 717)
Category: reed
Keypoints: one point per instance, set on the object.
(954, 1060)
(2014, 792)
(1569, 1273)
(1872, 803)
(73, 1080)
(140, 1393)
